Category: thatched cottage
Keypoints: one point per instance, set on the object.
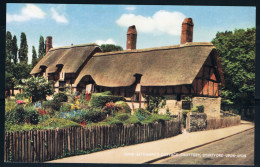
(186, 70)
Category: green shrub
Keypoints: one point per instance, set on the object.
(94, 115)
(155, 103)
(105, 93)
(37, 87)
(116, 122)
(18, 115)
(55, 122)
(122, 116)
(10, 106)
(65, 107)
(141, 113)
(22, 114)
(200, 108)
(100, 99)
(43, 118)
(156, 118)
(133, 120)
(31, 115)
(52, 105)
(20, 96)
(125, 106)
(60, 97)
(194, 109)
(113, 121)
(9, 127)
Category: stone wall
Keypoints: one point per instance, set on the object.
(173, 105)
(196, 122)
(200, 121)
(211, 105)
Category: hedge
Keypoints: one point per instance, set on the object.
(100, 99)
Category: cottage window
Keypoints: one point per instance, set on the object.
(137, 96)
(89, 88)
(62, 85)
(178, 97)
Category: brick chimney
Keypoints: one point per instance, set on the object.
(187, 31)
(131, 38)
(48, 43)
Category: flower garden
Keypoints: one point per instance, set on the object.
(65, 109)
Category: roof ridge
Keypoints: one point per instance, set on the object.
(74, 46)
(188, 44)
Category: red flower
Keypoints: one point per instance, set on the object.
(42, 112)
(83, 123)
(88, 96)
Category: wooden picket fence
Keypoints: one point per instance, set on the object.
(45, 145)
(215, 123)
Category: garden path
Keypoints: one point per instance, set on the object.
(149, 151)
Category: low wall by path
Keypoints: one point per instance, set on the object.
(200, 121)
(222, 122)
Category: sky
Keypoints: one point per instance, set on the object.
(157, 25)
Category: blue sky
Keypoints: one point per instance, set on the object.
(156, 25)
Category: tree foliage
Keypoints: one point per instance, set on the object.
(14, 71)
(155, 103)
(34, 57)
(8, 45)
(37, 87)
(14, 49)
(41, 51)
(237, 55)
(23, 51)
(110, 47)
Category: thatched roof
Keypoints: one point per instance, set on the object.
(70, 57)
(163, 66)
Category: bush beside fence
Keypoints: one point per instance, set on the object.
(215, 123)
(45, 145)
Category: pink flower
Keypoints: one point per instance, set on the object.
(20, 101)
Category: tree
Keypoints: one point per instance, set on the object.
(37, 87)
(110, 47)
(237, 55)
(23, 51)
(21, 71)
(14, 49)
(8, 44)
(41, 51)
(9, 78)
(34, 56)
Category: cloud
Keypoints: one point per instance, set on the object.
(27, 13)
(161, 22)
(130, 8)
(108, 41)
(59, 18)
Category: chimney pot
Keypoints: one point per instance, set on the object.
(187, 31)
(48, 43)
(131, 38)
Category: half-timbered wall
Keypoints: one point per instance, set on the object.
(207, 81)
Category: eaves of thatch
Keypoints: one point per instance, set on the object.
(71, 58)
(162, 66)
